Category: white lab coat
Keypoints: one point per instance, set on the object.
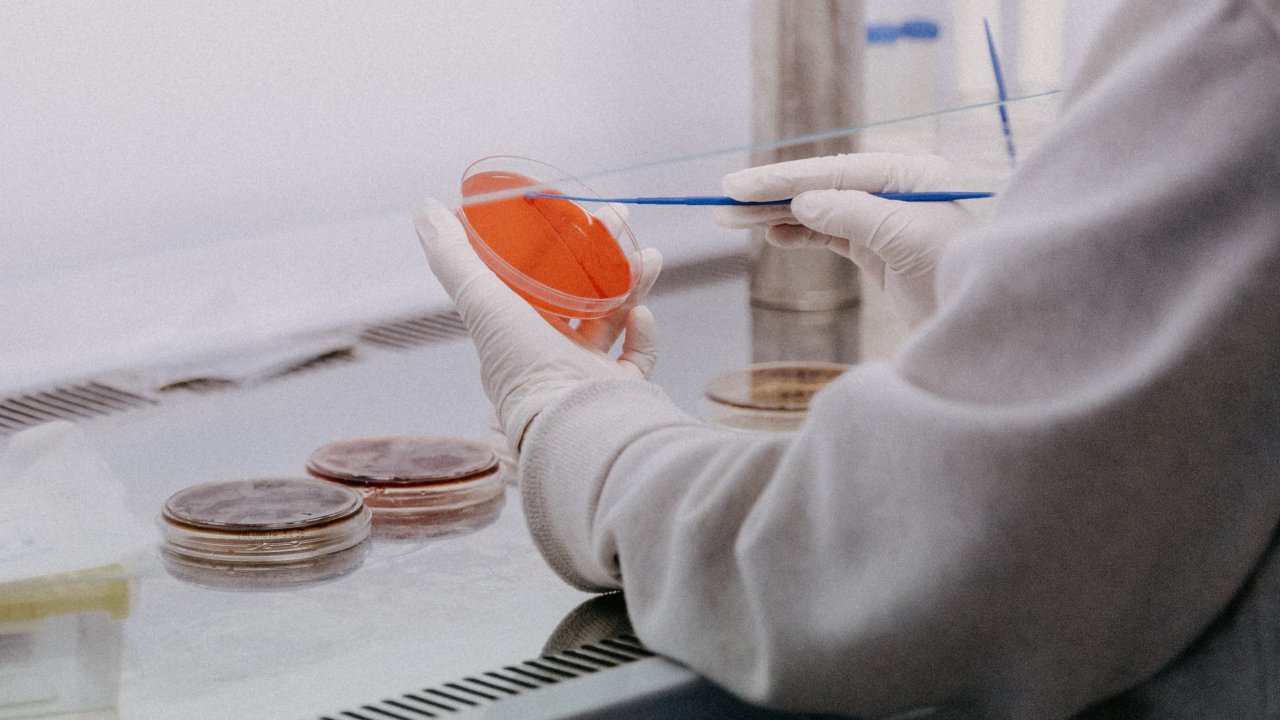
(1059, 499)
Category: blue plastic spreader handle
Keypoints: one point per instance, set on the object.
(725, 200)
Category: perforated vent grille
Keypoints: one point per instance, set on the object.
(68, 402)
(93, 399)
(486, 688)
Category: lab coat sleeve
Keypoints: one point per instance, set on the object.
(1055, 486)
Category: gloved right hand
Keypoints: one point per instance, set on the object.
(896, 243)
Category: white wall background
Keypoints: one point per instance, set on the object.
(179, 176)
(134, 126)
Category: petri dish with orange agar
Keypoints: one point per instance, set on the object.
(417, 486)
(767, 397)
(263, 533)
(574, 259)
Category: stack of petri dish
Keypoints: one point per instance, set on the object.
(416, 485)
(260, 533)
(767, 397)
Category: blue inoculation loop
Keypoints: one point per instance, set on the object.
(936, 196)
(787, 142)
(939, 196)
(680, 200)
(1001, 93)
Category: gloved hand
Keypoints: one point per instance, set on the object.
(527, 359)
(896, 243)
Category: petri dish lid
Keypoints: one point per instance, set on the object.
(261, 505)
(402, 460)
(779, 386)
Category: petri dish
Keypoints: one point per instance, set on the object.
(416, 485)
(263, 532)
(768, 397)
(574, 259)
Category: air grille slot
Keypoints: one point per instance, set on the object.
(69, 402)
(415, 331)
(494, 686)
(333, 357)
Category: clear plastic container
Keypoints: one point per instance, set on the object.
(574, 259)
(767, 397)
(416, 485)
(265, 532)
(60, 643)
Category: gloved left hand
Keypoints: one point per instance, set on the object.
(528, 359)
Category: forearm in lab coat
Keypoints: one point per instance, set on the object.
(1058, 483)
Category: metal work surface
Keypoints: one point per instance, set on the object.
(417, 612)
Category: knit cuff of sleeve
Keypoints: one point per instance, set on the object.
(567, 453)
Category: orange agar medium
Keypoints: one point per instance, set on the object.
(553, 253)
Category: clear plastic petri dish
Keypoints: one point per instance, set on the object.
(575, 259)
(767, 397)
(264, 532)
(416, 485)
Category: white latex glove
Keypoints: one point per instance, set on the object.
(497, 435)
(527, 359)
(895, 243)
